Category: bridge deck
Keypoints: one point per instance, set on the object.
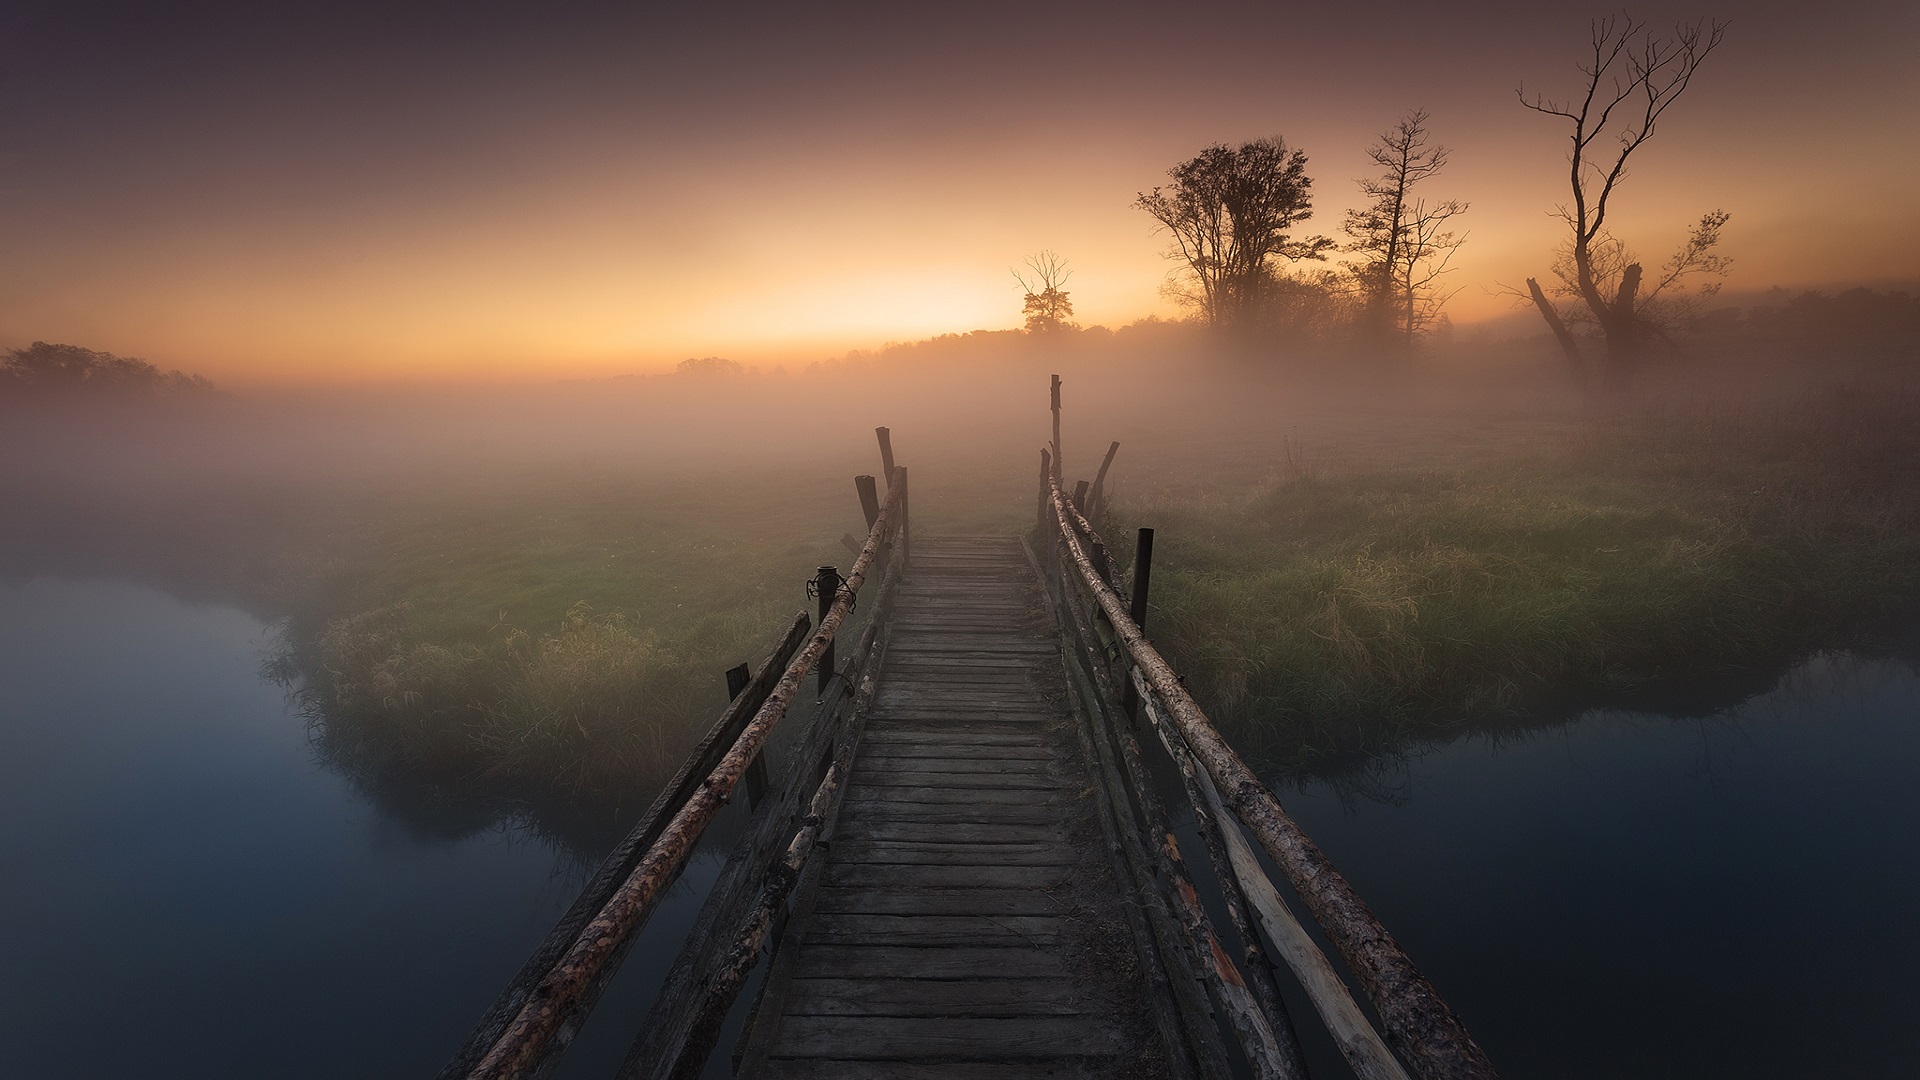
(967, 922)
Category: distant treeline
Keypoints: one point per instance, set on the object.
(1851, 316)
(44, 370)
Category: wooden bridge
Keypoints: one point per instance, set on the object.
(966, 865)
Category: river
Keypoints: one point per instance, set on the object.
(191, 892)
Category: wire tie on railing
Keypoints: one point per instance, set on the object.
(839, 586)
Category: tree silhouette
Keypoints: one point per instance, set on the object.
(46, 369)
(1229, 211)
(1632, 78)
(1403, 240)
(1047, 306)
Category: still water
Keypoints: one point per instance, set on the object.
(1643, 896)
(189, 892)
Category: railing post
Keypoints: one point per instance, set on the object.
(1056, 425)
(903, 528)
(737, 680)
(1046, 511)
(886, 455)
(869, 500)
(1142, 577)
(1080, 496)
(826, 582)
(1098, 498)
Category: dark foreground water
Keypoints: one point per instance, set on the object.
(1639, 896)
(185, 891)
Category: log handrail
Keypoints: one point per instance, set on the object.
(521, 1047)
(1420, 1024)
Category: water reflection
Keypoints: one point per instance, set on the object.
(1633, 894)
(191, 893)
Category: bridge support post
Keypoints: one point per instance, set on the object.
(1056, 426)
(1046, 512)
(1142, 579)
(737, 680)
(869, 501)
(826, 584)
(886, 457)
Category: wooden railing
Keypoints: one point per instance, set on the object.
(1223, 994)
(531, 1024)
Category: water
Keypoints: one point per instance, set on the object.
(188, 892)
(1635, 895)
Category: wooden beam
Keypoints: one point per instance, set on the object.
(1418, 1020)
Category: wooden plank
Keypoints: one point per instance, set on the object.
(885, 852)
(860, 875)
(865, 792)
(929, 931)
(933, 832)
(1045, 996)
(907, 961)
(949, 759)
(980, 784)
(978, 900)
(869, 796)
(882, 1037)
(958, 813)
(1018, 1069)
(923, 747)
(943, 737)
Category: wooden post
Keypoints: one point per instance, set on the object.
(886, 451)
(1056, 426)
(737, 680)
(1046, 512)
(1080, 496)
(826, 582)
(904, 528)
(1100, 564)
(1142, 577)
(1099, 497)
(869, 498)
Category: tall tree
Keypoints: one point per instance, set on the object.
(1230, 211)
(1632, 77)
(1047, 306)
(1402, 240)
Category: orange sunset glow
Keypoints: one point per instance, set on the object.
(530, 197)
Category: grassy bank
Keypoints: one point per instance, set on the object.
(1347, 602)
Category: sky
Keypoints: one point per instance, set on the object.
(343, 192)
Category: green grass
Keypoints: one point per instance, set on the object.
(1384, 576)
(1334, 607)
(543, 637)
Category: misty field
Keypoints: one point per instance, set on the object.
(1500, 573)
(531, 600)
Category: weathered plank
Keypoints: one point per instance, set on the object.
(928, 931)
(1045, 853)
(882, 1037)
(933, 832)
(948, 759)
(998, 996)
(863, 876)
(841, 1069)
(961, 901)
(982, 784)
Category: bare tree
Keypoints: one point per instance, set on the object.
(1229, 211)
(1403, 240)
(1632, 78)
(1047, 306)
